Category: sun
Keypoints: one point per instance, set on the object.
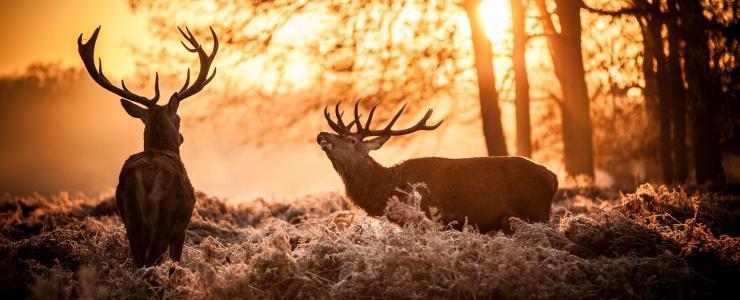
(496, 16)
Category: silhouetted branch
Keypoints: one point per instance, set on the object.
(626, 11)
(546, 18)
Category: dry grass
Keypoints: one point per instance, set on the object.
(654, 243)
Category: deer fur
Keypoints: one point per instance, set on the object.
(154, 196)
(484, 191)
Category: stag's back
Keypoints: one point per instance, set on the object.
(155, 200)
(486, 190)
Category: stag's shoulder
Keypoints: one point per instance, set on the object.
(423, 162)
(153, 165)
(154, 160)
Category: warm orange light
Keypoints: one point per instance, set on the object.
(496, 16)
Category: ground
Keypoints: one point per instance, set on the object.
(655, 242)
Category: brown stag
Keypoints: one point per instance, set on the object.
(485, 191)
(154, 196)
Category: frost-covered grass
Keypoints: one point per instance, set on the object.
(654, 243)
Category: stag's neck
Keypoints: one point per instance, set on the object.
(161, 140)
(369, 185)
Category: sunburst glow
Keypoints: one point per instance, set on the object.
(496, 16)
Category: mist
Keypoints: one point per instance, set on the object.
(62, 132)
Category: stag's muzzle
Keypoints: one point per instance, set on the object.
(323, 141)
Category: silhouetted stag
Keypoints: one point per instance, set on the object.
(154, 196)
(485, 190)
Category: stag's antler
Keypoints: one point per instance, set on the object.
(87, 53)
(365, 131)
(338, 126)
(205, 64)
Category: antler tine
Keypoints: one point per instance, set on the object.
(187, 81)
(357, 120)
(190, 38)
(387, 131)
(348, 127)
(421, 125)
(339, 126)
(87, 54)
(395, 118)
(339, 114)
(156, 87)
(370, 116)
(331, 122)
(205, 63)
(215, 43)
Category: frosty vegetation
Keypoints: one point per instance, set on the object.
(654, 243)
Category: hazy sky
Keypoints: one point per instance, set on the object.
(38, 30)
(86, 155)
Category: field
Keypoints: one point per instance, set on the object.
(653, 243)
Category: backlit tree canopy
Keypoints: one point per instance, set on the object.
(303, 55)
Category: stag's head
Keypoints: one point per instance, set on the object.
(346, 148)
(161, 122)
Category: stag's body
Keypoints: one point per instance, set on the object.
(482, 191)
(154, 196)
(485, 190)
(155, 200)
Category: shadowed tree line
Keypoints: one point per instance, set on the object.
(689, 67)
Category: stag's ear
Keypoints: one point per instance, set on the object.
(173, 104)
(133, 109)
(377, 142)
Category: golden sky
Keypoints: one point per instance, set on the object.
(37, 30)
(44, 31)
(218, 161)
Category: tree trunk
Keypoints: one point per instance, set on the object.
(678, 95)
(565, 50)
(523, 131)
(490, 113)
(702, 94)
(654, 41)
(650, 92)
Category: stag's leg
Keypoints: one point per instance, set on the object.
(157, 247)
(158, 242)
(129, 191)
(505, 225)
(138, 251)
(137, 241)
(158, 219)
(176, 247)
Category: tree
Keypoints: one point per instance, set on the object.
(686, 22)
(660, 89)
(677, 93)
(397, 51)
(490, 113)
(656, 78)
(565, 51)
(523, 131)
(703, 94)
(662, 82)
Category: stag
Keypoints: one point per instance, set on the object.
(483, 191)
(154, 196)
